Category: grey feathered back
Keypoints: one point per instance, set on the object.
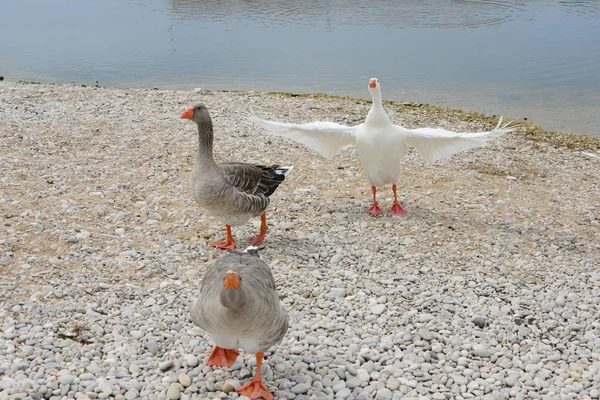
(253, 310)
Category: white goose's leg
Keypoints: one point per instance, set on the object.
(374, 210)
(396, 207)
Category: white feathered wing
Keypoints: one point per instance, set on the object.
(326, 138)
(436, 143)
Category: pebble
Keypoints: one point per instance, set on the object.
(300, 388)
(480, 322)
(66, 379)
(185, 380)
(363, 375)
(191, 360)
(378, 309)
(174, 391)
(335, 259)
(165, 365)
(425, 334)
(383, 394)
(152, 347)
(227, 388)
(480, 350)
(343, 393)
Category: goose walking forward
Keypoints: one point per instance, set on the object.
(239, 307)
(232, 192)
(381, 144)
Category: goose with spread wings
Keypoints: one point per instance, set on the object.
(381, 144)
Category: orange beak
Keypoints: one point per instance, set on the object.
(232, 280)
(373, 83)
(188, 113)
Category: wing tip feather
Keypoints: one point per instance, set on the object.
(284, 170)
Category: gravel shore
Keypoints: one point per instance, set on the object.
(488, 288)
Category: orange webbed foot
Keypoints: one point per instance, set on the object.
(222, 357)
(374, 210)
(397, 209)
(257, 240)
(255, 390)
(226, 245)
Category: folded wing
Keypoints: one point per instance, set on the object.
(258, 180)
(435, 143)
(326, 138)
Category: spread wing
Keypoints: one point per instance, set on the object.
(435, 143)
(326, 138)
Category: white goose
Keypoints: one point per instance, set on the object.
(380, 143)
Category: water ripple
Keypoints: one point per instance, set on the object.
(405, 14)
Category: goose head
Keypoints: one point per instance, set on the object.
(375, 90)
(199, 114)
(373, 84)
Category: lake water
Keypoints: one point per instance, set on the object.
(538, 59)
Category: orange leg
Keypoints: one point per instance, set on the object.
(374, 210)
(222, 357)
(255, 389)
(263, 231)
(396, 207)
(228, 244)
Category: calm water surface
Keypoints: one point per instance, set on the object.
(538, 59)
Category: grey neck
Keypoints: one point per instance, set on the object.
(205, 141)
(233, 299)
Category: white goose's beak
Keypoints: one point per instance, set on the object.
(372, 83)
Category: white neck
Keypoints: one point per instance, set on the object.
(376, 113)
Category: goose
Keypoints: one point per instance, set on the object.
(232, 192)
(238, 307)
(380, 144)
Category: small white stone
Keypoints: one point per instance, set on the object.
(378, 309)
(335, 259)
(363, 375)
(83, 235)
(384, 394)
(174, 391)
(185, 380)
(136, 334)
(482, 351)
(191, 360)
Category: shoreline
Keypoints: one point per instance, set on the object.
(488, 287)
(532, 132)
